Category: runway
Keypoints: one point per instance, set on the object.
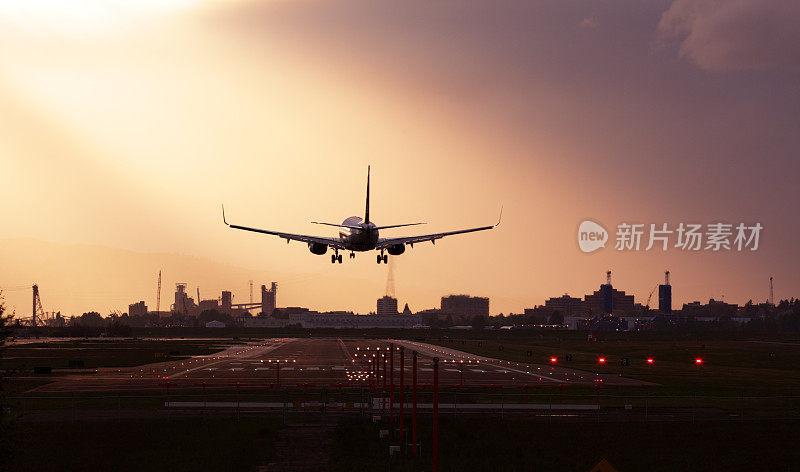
(292, 362)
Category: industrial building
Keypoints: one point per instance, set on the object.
(137, 309)
(567, 306)
(465, 306)
(387, 306)
(186, 306)
(268, 299)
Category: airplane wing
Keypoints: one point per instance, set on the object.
(411, 240)
(332, 242)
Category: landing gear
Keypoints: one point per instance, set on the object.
(352, 255)
(336, 258)
(339, 258)
(333, 258)
(383, 258)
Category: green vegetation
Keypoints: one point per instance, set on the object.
(144, 445)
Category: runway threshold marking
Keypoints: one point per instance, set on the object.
(206, 366)
(487, 361)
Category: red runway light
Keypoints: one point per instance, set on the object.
(554, 359)
(602, 360)
(650, 360)
(698, 361)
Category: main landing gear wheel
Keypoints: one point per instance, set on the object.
(339, 258)
(352, 255)
(380, 258)
(333, 258)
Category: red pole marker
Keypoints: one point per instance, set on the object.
(414, 403)
(435, 448)
(402, 386)
(380, 363)
(391, 383)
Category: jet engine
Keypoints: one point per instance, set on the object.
(318, 248)
(396, 249)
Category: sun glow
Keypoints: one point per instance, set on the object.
(87, 17)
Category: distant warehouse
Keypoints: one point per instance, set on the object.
(465, 306)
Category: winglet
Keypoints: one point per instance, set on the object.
(500, 217)
(223, 216)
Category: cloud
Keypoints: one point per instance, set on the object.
(722, 35)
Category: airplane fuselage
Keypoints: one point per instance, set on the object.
(359, 235)
(363, 239)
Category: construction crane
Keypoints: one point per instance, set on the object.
(649, 297)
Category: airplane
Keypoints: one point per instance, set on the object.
(360, 235)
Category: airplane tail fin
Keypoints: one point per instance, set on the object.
(366, 213)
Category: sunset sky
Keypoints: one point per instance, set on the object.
(125, 124)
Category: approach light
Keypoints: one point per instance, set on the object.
(650, 360)
(554, 360)
(698, 361)
(601, 360)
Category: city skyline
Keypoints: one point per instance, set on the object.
(294, 291)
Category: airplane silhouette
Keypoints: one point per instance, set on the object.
(361, 235)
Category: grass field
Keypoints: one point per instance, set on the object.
(741, 365)
(103, 353)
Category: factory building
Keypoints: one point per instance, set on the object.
(387, 306)
(268, 298)
(184, 304)
(465, 306)
(567, 306)
(137, 309)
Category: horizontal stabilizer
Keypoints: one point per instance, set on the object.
(337, 225)
(397, 226)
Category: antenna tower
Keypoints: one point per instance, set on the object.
(158, 295)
